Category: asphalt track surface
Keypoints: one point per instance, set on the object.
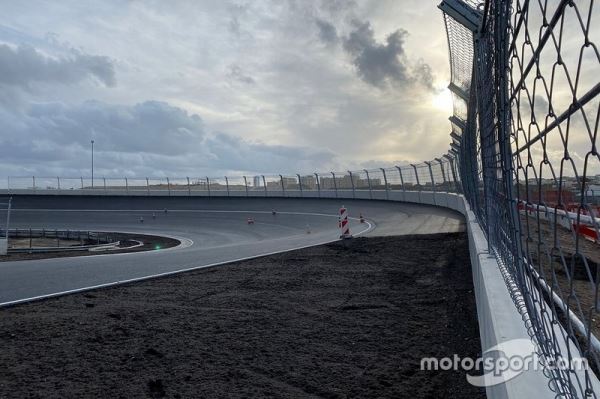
(212, 232)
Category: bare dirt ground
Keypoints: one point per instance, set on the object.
(128, 243)
(332, 321)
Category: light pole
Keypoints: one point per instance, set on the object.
(92, 163)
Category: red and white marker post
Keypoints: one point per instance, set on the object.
(344, 225)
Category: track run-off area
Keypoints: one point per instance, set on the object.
(212, 231)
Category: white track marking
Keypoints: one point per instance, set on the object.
(178, 210)
(370, 226)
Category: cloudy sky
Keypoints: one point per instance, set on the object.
(194, 88)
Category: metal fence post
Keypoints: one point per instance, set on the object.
(169, 186)
(387, 191)
(416, 175)
(318, 185)
(8, 219)
(58, 183)
(81, 182)
(432, 182)
(300, 185)
(104, 184)
(401, 178)
(443, 174)
(282, 185)
(265, 184)
(417, 178)
(453, 176)
(246, 185)
(431, 176)
(208, 186)
(334, 184)
(189, 188)
(33, 178)
(227, 185)
(370, 187)
(147, 186)
(127, 186)
(352, 182)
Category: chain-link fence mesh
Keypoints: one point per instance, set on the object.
(529, 166)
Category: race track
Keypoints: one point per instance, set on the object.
(213, 231)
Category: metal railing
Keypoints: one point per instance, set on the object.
(437, 175)
(28, 239)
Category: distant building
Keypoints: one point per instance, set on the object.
(309, 182)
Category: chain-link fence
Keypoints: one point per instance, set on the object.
(438, 175)
(524, 133)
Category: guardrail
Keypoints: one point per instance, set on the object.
(86, 239)
(439, 175)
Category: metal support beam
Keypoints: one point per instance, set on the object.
(416, 174)
(370, 187)
(318, 185)
(387, 191)
(458, 122)
(334, 184)
(443, 173)
(401, 178)
(282, 185)
(459, 92)
(300, 184)
(462, 13)
(431, 175)
(352, 182)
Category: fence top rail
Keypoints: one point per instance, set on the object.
(248, 176)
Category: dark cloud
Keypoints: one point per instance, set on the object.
(380, 64)
(377, 63)
(24, 65)
(149, 138)
(423, 74)
(237, 74)
(236, 13)
(327, 32)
